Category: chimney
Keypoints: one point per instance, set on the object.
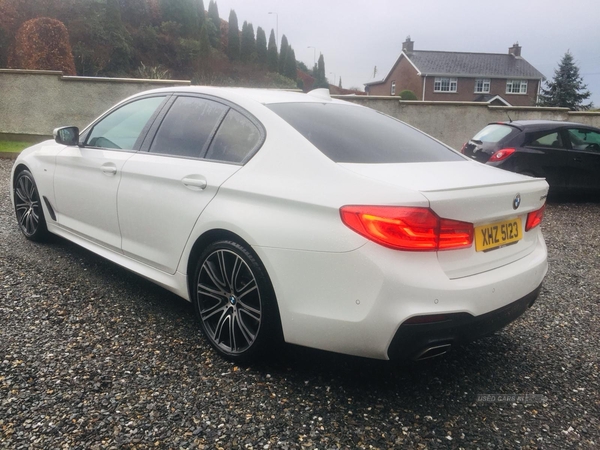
(515, 50)
(408, 45)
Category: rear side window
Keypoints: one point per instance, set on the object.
(236, 139)
(188, 126)
(493, 133)
(546, 139)
(351, 134)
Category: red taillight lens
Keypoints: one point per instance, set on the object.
(534, 218)
(462, 150)
(501, 155)
(407, 228)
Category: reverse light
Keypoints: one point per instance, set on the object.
(534, 218)
(501, 155)
(407, 228)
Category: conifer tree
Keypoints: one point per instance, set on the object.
(320, 78)
(213, 26)
(233, 36)
(566, 89)
(248, 45)
(340, 83)
(261, 46)
(273, 58)
(290, 64)
(213, 13)
(204, 41)
(201, 14)
(283, 54)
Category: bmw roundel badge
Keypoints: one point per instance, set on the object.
(516, 201)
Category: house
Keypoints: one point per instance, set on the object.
(495, 78)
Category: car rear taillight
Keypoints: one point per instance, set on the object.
(462, 150)
(407, 228)
(501, 155)
(534, 218)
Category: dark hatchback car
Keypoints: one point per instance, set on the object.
(566, 154)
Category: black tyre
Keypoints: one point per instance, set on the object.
(235, 302)
(28, 208)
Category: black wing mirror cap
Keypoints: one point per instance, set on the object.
(66, 135)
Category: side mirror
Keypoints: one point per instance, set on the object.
(66, 135)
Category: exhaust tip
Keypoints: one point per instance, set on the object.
(433, 351)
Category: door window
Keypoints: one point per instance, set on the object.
(188, 127)
(122, 128)
(582, 139)
(546, 139)
(236, 139)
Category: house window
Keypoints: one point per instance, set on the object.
(516, 86)
(482, 86)
(393, 89)
(444, 85)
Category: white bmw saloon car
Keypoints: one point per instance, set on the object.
(290, 217)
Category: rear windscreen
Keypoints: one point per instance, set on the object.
(493, 133)
(351, 134)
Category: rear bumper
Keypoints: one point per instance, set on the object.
(412, 341)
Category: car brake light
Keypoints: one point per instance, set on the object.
(501, 155)
(407, 228)
(462, 150)
(534, 218)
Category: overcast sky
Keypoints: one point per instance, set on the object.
(355, 36)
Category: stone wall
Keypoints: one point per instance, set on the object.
(33, 103)
(36, 102)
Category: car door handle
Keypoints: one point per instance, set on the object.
(194, 183)
(109, 168)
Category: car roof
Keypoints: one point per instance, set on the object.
(538, 124)
(263, 96)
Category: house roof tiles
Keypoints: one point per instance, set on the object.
(473, 64)
(464, 64)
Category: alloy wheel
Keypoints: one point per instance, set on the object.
(27, 205)
(229, 302)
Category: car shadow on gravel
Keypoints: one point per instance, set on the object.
(468, 369)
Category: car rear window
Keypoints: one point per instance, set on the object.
(493, 133)
(351, 134)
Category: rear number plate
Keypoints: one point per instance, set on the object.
(499, 234)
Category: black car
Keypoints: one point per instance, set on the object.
(566, 154)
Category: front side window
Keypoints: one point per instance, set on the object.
(516, 86)
(445, 84)
(582, 139)
(122, 128)
(482, 86)
(236, 139)
(353, 134)
(393, 89)
(188, 127)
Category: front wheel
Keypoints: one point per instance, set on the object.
(28, 207)
(235, 302)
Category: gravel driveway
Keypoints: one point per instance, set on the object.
(92, 356)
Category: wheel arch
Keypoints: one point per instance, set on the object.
(207, 238)
(220, 234)
(17, 170)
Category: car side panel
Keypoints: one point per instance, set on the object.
(159, 202)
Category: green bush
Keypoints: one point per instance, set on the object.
(407, 95)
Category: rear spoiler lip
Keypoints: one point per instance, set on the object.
(510, 124)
